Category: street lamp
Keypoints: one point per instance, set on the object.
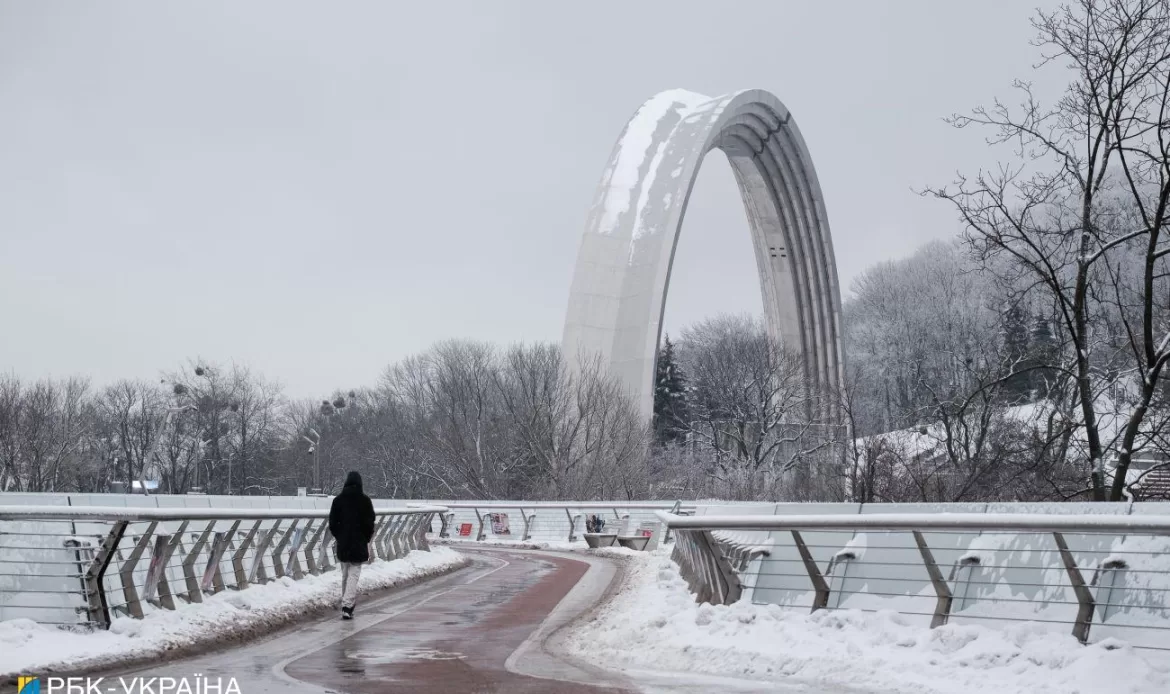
(180, 390)
(315, 449)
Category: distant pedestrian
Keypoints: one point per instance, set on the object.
(351, 522)
(594, 524)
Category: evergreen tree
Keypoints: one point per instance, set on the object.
(1014, 322)
(1043, 354)
(670, 396)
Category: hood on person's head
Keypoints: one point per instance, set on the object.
(353, 480)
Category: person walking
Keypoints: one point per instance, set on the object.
(351, 522)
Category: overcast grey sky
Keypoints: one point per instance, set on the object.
(319, 189)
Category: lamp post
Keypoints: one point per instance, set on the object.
(315, 449)
(179, 391)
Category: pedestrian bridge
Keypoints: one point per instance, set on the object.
(1095, 571)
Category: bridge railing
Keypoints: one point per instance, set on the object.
(558, 520)
(90, 565)
(1099, 574)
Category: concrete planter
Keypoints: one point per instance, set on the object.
(595, 540)
(635, 542)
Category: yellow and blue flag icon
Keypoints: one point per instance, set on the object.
(28, 685)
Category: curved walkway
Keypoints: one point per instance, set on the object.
(458, 643)
(454, 633)
(482, 629)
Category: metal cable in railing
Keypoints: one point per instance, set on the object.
(574, 516)
(1087, 570)
(128, 557)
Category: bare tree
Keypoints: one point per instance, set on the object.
(43, 434)
(130, 416)
(1085, 169)
(752, 409)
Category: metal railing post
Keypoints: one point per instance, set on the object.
(257, 573)
(572, 524)
(126, 571)
(666, 533)
(1085, 602)
(393, 538)
(397, 538)
(157, 583)
(445, 519)
(961, 575)
(723, 583)
(381, 531)
(294, 552)
(150, 585)
(238, 557)
(278, 553)
(686, 555)
(83, 552)
(166, 596)
(942, 608)
(421, 535)
(409, 532)
(482, 535)
(311, 549)
(97, 607)
(527, 524)
(820, 586)
(213, 574)
(842, 560)
(323, 555)
(194, 594)
(1109, 571)
(400, 539)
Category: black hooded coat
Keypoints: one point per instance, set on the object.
(351, 521)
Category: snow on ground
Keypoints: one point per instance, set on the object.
(654, 622)
(28, 647)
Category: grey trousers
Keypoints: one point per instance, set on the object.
(350, 573)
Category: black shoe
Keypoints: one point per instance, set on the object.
(347, 613)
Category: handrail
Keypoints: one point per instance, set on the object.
(588, 505)
(1005, 522)
(132, 514)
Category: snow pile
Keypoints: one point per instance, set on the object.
(982, 548)
(1138, 607)
(26, 646)
(654, 622)
(854, 550)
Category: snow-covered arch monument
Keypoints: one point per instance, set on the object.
(619, 286)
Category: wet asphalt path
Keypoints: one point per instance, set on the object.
(459, 643)
(449, 634)
(480, 630)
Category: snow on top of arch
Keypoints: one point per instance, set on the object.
(644, 137)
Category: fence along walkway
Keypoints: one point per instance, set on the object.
(1098, 575)
(555, 520)
(89, 565)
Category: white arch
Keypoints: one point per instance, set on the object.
(623, 267)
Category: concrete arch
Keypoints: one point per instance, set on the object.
(619, 288)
